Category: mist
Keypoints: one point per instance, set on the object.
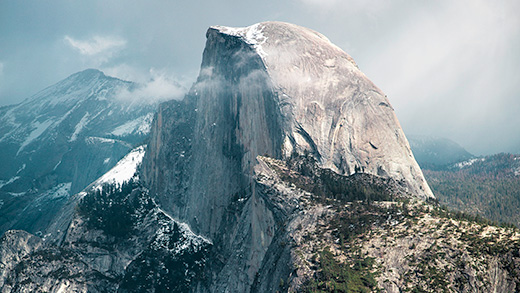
(449, 68)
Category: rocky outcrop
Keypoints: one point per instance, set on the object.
(115, 239)
(329, 107)
(272, 89)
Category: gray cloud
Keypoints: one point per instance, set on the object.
(450, 68)
(159, 88)
(96, 45)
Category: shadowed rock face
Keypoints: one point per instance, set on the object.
(270, 89)
(331, 108)
(233, 116)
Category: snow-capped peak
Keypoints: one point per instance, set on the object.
(252, 35)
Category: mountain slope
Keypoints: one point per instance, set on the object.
(435, 152)
(61, 139)
(113, 238)
(331, 233)
(487, 186)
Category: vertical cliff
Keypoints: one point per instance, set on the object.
(272, 89)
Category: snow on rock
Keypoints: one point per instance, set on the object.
(21, 169)
(187, 239)
(61, 190)
(140, 125)
(93, 140)
(81, 124)
(38, 129)
(469, 162)
(4, 183)
(517, 171)
(124, 170)
(17, 194)
(252, 35)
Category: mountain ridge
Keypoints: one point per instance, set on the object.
(59, 140)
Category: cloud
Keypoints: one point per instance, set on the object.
(367, 7)
(447, 67)
(96, 45)
(98, 50)
(160, 87)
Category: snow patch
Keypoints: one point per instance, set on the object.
(38, 129)
(21, 169)
(81, 124)
(140, 125)
(61, 190)
(124, 170)
(95, 139)
(252, 35)
(187, 240)
(4, 183)
(55, 167)
(469, 162)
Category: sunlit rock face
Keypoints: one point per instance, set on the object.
(272, 89)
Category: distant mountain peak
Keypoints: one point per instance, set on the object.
(437, 152)
(89, 72)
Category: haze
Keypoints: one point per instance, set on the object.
(449, 68)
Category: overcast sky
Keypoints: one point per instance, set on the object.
(450, 68)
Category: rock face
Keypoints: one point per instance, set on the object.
(272, 89)
(110, 237)
(61, 139)
(329, 107)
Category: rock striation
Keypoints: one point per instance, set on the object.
(273, 89)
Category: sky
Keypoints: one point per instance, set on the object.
(449, 68)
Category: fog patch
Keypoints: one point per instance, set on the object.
(160, 87)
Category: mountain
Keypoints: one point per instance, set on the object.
(112, 243)
(283, 169)
(272, 89)
(436, 152)
(61, 139)
(487, 186)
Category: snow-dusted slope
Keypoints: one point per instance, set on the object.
(69, 133)
(124, 170)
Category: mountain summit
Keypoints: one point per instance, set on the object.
(59, 140)
(272, 89)
(278, 89)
